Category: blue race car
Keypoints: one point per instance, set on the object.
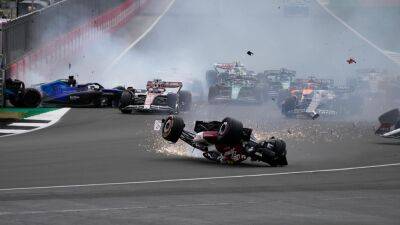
(66, 92)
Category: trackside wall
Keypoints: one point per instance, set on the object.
(48, 37)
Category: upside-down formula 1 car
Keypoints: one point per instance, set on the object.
(19, 96)
(389, 124)
(66, 92)
(231, 82)
(225, 141)
(156, 98)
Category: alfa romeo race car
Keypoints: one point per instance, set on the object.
(19, 96)
(225, 141)
(231, 82)
(66, 92)
(389, 124)
(156, 98)
(310, 99)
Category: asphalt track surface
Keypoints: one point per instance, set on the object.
(103, 146)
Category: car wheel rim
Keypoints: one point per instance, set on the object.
(223, 128)
(168, 126)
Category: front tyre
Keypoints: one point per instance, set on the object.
(127, 98)
(185, 100)
(172, 128)
(31, 98)
(172, 101)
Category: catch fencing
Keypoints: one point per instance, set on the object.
(46, 37)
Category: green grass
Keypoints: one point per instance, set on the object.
(25, 112)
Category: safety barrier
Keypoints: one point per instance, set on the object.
(59, 49)
(2, 87)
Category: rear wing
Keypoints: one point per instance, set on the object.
(282, 71)
(224, 66)
(163, 84)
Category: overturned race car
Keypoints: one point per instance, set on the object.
(225, 141)
(156, 98)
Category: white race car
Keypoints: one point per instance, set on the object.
(159, 96)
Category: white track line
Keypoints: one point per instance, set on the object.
(27, 124)
(123, 53)
(124, 208)
(54, 116)
(356, 33)
(201, 178)
(11, 131)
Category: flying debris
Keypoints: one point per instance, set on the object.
(250, 53)
(351, 61)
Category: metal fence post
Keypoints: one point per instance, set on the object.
(2, 87)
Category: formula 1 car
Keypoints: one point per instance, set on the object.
(66, 92)
(231, 82)
(278, 83)
(156, 98)
(19, 96)
(390, 124)
(225, 141)
(310, 99)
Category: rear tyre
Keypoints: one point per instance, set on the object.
(258, 93)
(127, 98)
(230, 131)
(172, 128)
(185, 100)
(211, 77)
(212, 93)
(172, 101)
(31, 98)
(288, 105)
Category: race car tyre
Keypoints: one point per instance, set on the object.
(397, 125)
(31, 98)
(125, 100)
(211, 77)
(230, 132)
(212, 93)
(258, 93)
(288, 105)
(185, 100)
(17, 101)
(172, 128)
(172, 101)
